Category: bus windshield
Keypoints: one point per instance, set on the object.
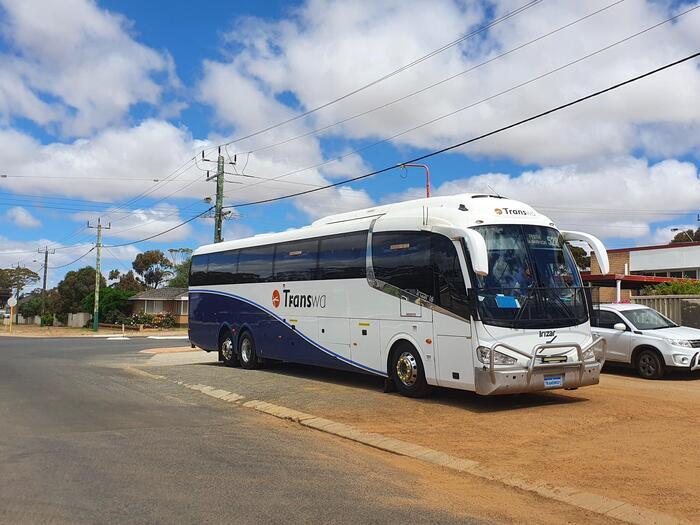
(533, 281)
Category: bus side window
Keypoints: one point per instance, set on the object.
(222, 267)
(296, 261)
(343, 256)
(255, 264)
(402, 259)
(198, 270)
(450, 293)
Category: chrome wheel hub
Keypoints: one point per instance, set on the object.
(246, 350)
(227, 349)
(407, 369)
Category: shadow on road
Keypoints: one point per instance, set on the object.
(462, 399)
(671, 375)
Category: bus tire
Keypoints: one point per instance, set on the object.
(407, 371)
(227, 354)
(246, 352)
(649, 364)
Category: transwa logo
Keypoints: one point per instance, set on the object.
(292, 300)
(511, 211)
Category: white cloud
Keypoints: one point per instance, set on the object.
(22, 218)
(103, 167)
(330, 47)
(142, 223)
(619, 199)
(75, 65)
(332, 201)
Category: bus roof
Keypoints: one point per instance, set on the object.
(461, 210)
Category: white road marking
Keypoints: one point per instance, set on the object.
(117, 338)
(167, 337)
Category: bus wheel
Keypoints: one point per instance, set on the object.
(228, 356)
(650, 365)
(407, 372)
(246, 352)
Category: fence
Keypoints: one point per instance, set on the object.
(681, 309)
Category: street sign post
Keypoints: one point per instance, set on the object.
(12, 302)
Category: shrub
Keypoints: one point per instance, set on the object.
(47, 320)
(687, 287)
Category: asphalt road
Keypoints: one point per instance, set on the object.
(81, 440)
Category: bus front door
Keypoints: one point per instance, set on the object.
(453, 352)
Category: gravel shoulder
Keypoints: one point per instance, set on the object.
(626, 438)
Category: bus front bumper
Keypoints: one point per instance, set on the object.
(540, 373)
(516, 381)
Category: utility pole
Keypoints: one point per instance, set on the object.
(46, 253)
(98, 245)
(218, 207)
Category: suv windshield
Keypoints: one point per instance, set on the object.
(647, 319)
(533, 281)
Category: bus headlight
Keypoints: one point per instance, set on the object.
(483, 354)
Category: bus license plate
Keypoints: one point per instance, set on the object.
(553, 381)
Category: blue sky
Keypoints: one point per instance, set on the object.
(98, 99)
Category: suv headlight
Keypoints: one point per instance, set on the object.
(680, 342)
(483, 354)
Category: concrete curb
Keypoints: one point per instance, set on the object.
(621, 510)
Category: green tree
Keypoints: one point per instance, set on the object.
(128, 281)
(75, 286)
(181, 274)
(153, 266)
(176, 253)
(583, 260)
(687, 235)
(113, 275)
(17, 278)
(111, 300)
(31, 305)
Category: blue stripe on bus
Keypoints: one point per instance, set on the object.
(283, 322)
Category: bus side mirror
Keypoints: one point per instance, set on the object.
(601, 254)
(476, 244)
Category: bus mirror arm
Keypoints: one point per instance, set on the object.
(601, 254)
(476, 244)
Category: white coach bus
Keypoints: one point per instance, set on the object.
(475, 292)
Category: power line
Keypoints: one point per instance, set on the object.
(435, 152)
(474, 104)
(161, 233)
(475, 139)
(431, 86)
(388, 75)
(72, 262)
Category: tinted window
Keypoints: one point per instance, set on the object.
(343, 256)
(605, 319)
(296, 261)
(222, 267)
(402, 259)
(198, 270)
(255, 264)
(450, 291)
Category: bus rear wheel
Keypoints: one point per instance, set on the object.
(246, 352)
(408, 373)
(226, 351)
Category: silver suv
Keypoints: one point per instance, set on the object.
(642, 337)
